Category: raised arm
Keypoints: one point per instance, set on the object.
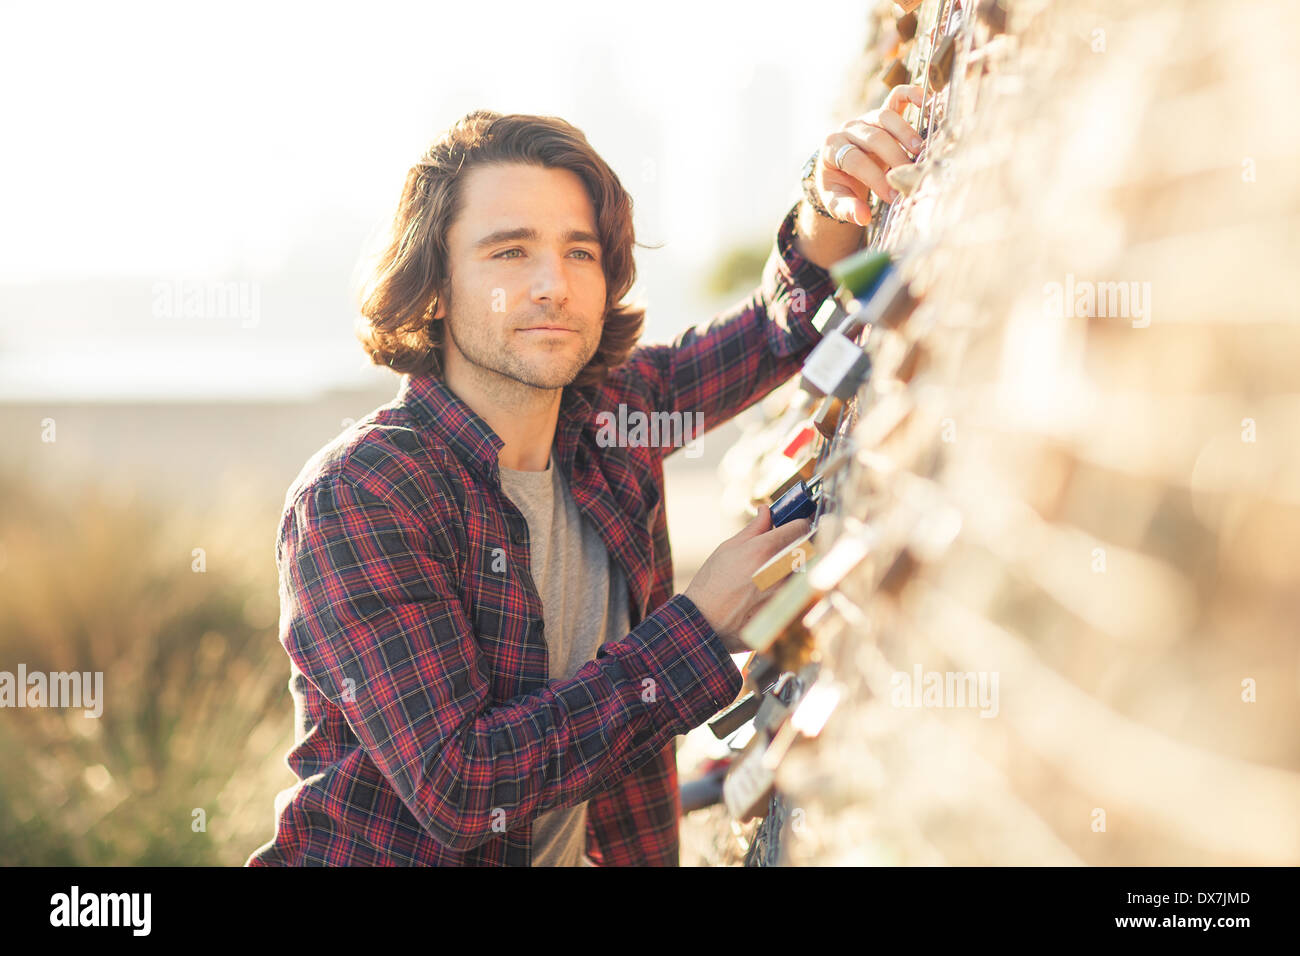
(722, 367)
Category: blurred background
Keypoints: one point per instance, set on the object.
(186, 199)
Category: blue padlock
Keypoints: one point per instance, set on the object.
(799, 502)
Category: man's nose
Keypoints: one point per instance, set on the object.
(550, 282)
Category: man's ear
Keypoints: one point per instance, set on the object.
(437, 310)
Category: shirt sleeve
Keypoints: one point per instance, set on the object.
(372, 616)
(720, 368)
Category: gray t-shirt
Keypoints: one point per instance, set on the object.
(584, 604)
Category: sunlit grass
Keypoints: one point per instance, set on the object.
(196, 711)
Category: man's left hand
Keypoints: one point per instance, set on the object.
(882, 140)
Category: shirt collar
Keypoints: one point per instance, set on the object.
(471, 439)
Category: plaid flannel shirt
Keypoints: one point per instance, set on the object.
(427, 731)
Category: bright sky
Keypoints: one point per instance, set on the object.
(163, 142)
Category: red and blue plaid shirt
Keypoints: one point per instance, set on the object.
(427, 731)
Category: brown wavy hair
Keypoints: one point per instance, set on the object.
(401, 295)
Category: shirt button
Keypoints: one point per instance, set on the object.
(517, 537)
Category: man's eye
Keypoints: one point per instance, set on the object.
(505, 254)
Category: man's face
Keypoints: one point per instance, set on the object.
(524, 255)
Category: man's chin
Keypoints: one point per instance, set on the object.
(549, 375)
(548, 378)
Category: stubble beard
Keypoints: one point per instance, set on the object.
(505, 368)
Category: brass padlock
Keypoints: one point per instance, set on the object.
(940, 70)
(896, 74)
(793, 558)
(906, 27)
(827, 416)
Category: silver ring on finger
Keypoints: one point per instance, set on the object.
(841, 153)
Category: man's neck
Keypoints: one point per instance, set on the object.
(523, 417)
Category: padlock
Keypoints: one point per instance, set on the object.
(859, 272)
(794, 557)
(906, 27)
(748, 785)
(804, 469)
(891, 305)
(874, 282)
(799, 502)
(892, 302)
(801, 438)
(783, 504)
(836, 366)
(793, 648)
(777, 702)
(829, 315)
(827, 416)
(896, 307)
(895, 74)
(727, 721)
(940, 69)
(780, 614)
(759, 672)
(772, 713)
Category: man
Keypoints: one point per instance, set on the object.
(488, 664)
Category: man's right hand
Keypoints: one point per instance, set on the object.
(723, 590)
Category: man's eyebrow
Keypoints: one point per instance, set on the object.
(531, 235)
